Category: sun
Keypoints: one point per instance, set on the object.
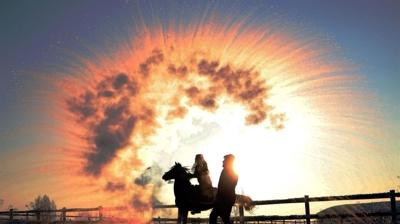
(262, 153)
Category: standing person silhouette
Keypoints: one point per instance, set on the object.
(200, 171)
(226, 195)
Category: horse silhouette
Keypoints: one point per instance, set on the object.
(187, 195)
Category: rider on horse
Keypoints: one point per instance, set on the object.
(200, 171)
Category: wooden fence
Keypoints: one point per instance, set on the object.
(307, 217)
(63, 215)
(66, 215)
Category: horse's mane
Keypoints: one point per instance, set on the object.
(185, 168)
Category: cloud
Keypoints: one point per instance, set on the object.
(208, 101)
(156, 58)
(83, 106)
(177, 112)
(110, 134)
(112, 187)
(181, 70)
(152, 175)
(116, 85)
(139, 204)
(106, 113)
(120, 81)
(244, 86)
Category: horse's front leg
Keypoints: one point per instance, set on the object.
(184, 216)
(179, 216)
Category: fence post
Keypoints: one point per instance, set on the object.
(11, 214)
(341, 220)
(307, 207)
(100, 213)
(241, 214)
(63, 215)
(392, 194)
(38, 215)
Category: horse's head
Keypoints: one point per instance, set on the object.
(176, 172)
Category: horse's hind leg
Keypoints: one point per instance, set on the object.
(182, 215)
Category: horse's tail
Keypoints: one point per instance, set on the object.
(246, 201)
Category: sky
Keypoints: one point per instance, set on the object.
(45, 43)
